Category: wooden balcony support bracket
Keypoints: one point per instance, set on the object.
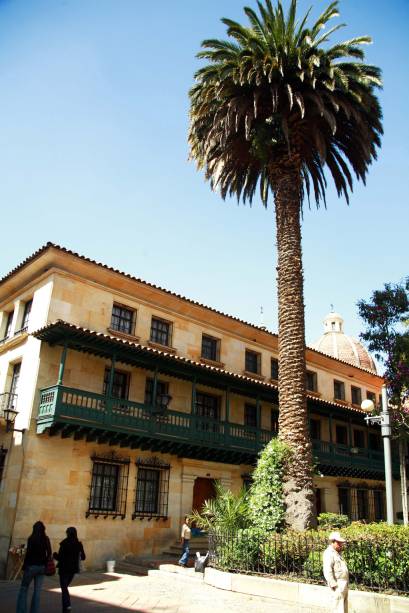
(80, 434)
(68, 431)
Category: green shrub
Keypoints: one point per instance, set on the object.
(226, 512)
(332, 521)
(266, 501)
(237, 551)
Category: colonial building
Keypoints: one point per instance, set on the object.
(129, 401)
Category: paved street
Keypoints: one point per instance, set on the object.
(156, 593)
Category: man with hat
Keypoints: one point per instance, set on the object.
(336, 572)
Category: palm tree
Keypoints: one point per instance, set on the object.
(274, 106)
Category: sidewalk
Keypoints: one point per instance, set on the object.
(156, 593)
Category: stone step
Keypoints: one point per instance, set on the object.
(177, 572)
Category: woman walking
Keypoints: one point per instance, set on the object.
(68, 556)
(38, 552)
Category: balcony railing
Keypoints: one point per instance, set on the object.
(73, 406)
(359, 457)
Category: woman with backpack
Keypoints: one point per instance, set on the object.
(69, 555)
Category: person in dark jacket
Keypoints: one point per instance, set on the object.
(68, 556)
(37, 554)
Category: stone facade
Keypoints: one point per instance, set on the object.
(49, 477)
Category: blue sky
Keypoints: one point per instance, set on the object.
(94, 156)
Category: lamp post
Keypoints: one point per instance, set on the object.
(384, 420)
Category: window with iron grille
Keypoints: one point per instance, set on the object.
(252, 362)
(250, 415)
(274, 420)
(311, 381)
(109, 486)
(210, 348)
(344, 499)
(161, 331)
(123, 319)
(7, 331)
(274, 369)
(378, 500)
(120, 384)
(162, 393)
(315, 429)
(26, 315)
(356, 395)
(152, 489)
(339, 390)
(3, 453)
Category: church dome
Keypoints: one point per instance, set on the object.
(338, 345)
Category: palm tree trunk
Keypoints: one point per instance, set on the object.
(293, 419)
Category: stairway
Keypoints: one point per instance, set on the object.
(141, 565)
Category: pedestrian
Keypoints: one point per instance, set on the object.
(336, 573)
(69, 555)
(184, 539)
(38, 552)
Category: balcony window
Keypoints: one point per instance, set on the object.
(26, 315)
(315, 429)
(162, 394)
(356, 395)
(341, 434)
(208, 405)
(120, 384)
(161, 332)
(210, 348)
(252, 362)
(274, 369)
(152, 489)
(311, 381)
(109, 485)
(250, 415)
(359, 438)
(123, 319)
(339, 390)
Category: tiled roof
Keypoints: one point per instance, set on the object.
(50, 245)
(79, 331)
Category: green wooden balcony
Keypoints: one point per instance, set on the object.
(81, 414)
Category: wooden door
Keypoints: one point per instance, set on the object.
(203, 490)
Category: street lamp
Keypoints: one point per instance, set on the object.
(385, 422)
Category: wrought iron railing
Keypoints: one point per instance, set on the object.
(373, 563)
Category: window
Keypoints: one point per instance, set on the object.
(375, 441)
(208, 406)
(252, 362)
(378, 497)
(274, 369)
(311, 381)
(162, 394)
(371, 396)
(274, 420)
(26, 315)
(356, 395)
(109, 486)
(344, 500)
(359, 438)
(339, 390)
(341, 433)
(210, 348)
(250, 415)
(3, 453)
(161, 332)
(120, 384)
(9, 321)
(152, 489)
(315, 429)
(123, 319)
(361, 507)
(319, 500)
(15, 380)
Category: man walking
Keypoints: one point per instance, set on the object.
(184, 539)
(336, 573)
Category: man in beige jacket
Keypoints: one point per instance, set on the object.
(336, 573)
